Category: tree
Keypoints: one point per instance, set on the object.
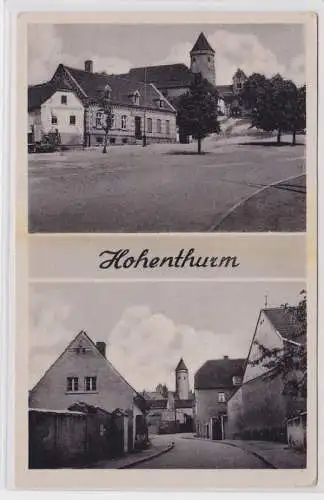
(275, 104)
(105, 108)
(289, 362)
(197, 111)
(298, 113)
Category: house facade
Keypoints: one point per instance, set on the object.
(259, 409)
(71, 104)
(215, 382)
(83, 375)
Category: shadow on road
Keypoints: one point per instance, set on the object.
(270, 144)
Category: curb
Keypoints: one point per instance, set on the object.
(254, 453)
(146, 459)
(241, 202)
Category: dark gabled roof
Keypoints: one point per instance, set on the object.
(37, 94)
(157, 404)
(164, 76)
(121, 88)
(286, 322)
(181, 366)
(202, 44)
(183, 403)
(224, 90)
(219, 373)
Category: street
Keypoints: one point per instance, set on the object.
(190, 453)
(165, 187)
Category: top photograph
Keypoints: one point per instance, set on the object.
(159, 128)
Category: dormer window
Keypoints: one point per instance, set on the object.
(160, 103)
(236, 380)
(135, 97)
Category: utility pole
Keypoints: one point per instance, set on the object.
(144, 118)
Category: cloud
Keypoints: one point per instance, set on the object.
(238, 50)
(49, 334)
(46, 52)
(145, 346)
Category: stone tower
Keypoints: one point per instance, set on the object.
(182, 380)
(202, 59)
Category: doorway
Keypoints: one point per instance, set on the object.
(138, 127)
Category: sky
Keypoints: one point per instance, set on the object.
(149, 326)
(264, 48)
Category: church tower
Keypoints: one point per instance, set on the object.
(182, 380)
(202, 59)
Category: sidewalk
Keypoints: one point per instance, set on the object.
(132, 459)
(276, 455)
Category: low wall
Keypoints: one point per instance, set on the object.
(296, 432)
(71, 438)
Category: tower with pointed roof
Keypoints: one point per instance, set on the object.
(182, 380)
(202, 59)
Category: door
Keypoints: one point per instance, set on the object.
(138, 127)
(216, 429)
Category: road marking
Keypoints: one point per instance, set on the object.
(241, 202)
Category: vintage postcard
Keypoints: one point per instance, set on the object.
(166, 251)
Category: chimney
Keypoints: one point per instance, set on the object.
(88, 66)
(101, 346)
(225, 357)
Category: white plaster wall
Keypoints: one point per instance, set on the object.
(268, 337)
(131, 113)
(54, 107)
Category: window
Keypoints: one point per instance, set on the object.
(72, 119)
(208, 59)
(161, 104)
(193, 59)
(125, 140)
(112, 140)
(63, 99)
(99, 139)
(221, 397)
(124, 121)
(149, 125)
(112, 121)
(54, 120)
(90, 383)
(167, 127)
(99, 119)
(236, 380)
(72, 384)
(136, 98)
(158, 126)
(239, 85)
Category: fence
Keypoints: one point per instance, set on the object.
(71, 438)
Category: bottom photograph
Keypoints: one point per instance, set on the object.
(167, 375)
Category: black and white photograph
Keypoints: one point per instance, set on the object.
(168, 375)
(156, 128)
